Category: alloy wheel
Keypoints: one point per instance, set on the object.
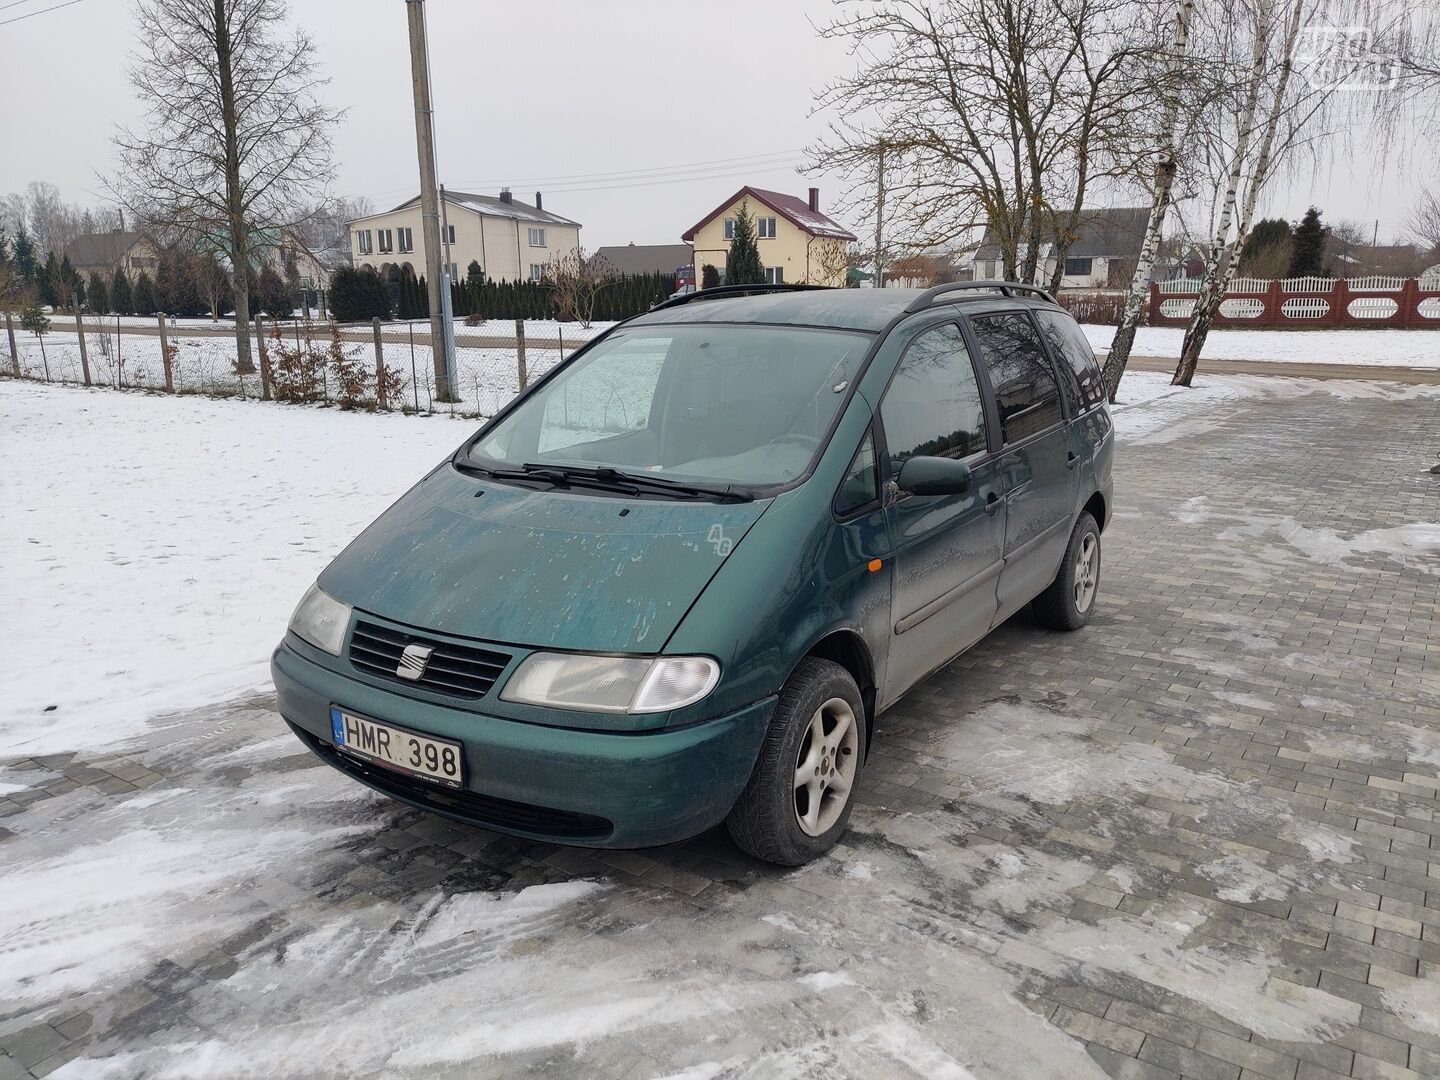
(825, 766)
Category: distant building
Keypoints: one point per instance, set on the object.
(647, 258)
(511, 240)
(1103, 254)
(797, 242)
(104, 252)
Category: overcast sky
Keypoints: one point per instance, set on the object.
(635, 117)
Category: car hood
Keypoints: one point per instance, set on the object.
(551, 569)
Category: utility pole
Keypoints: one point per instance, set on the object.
(429, 198)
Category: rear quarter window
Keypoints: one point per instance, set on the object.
(1075, 358)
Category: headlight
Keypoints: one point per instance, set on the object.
(616, 684)
(321, 620)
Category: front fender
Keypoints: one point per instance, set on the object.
(798, 576)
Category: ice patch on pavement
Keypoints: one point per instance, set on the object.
(826, 980)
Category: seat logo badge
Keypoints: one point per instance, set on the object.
(413, 661)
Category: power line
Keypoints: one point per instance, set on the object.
(15, 3)
(621, 174)
(32, 14)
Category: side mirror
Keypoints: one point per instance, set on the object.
(934, 476)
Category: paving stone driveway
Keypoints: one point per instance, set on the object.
(1196, 839)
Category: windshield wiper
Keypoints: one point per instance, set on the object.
(608, 476)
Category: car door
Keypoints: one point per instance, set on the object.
(1036, 461)
(947, 548)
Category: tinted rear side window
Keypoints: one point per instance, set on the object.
(1070, 346)
(1020, 374)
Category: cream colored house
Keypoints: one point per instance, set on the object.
(511, 240)
(102, 253)
(797, 242)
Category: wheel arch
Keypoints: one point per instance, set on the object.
(1095, 506)
(848, 649)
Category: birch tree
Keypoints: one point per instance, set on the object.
(1297, 106)
(1161, 195)
(235, 138)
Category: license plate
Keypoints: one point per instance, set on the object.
(436, 760)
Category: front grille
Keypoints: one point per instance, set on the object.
(456, 670)
(469, 805)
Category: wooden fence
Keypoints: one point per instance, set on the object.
(1306, 302)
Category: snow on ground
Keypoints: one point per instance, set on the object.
(1382, 346)
(156, 545)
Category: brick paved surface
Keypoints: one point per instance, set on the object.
(1196, 839)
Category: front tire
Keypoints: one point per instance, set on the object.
(1070, 599)
(798, 800)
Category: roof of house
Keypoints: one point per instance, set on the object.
(1112, 231)
(102, 248)
(794, 209)
(647, 258)
(491, 206)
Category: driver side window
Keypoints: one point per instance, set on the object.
(933, 407)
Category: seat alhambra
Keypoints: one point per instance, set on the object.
(673, 583)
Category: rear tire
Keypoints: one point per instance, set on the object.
(1069, 601)
(798, 800)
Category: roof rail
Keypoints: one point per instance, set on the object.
(720, 292)
(1005, 288)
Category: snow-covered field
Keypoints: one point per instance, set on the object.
(1379, 347)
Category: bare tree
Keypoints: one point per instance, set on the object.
(235, 138)
(992, 113)
(1161, 195)
(576, 280)
(1422, 222)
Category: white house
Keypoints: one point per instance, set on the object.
(1103, 254)
(511, 240)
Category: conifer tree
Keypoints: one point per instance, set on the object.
(1308, 259)
(144, 299)
(97, 294)
(121, 300)
(743, 265)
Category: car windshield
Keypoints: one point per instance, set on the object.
(715, 404)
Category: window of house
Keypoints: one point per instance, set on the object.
(933, 406)
(1078, 267)
(386, 238)
(775, 275)
(449, 234)
(1020, 374)
(453, 276)
(362, 241)
(537, 237)
(858, 489)
(537, 271)
(729, 228)
(765, 228)
(404, 237)
(1078, 369)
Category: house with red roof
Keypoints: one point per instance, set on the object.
(797, 242)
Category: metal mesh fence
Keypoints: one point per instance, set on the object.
(127, 354)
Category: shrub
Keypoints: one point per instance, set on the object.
(357, 294)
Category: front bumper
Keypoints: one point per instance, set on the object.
(598, 789)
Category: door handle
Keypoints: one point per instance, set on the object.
(992, 503)
(1070, 459)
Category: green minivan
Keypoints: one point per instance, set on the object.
(673, 583)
